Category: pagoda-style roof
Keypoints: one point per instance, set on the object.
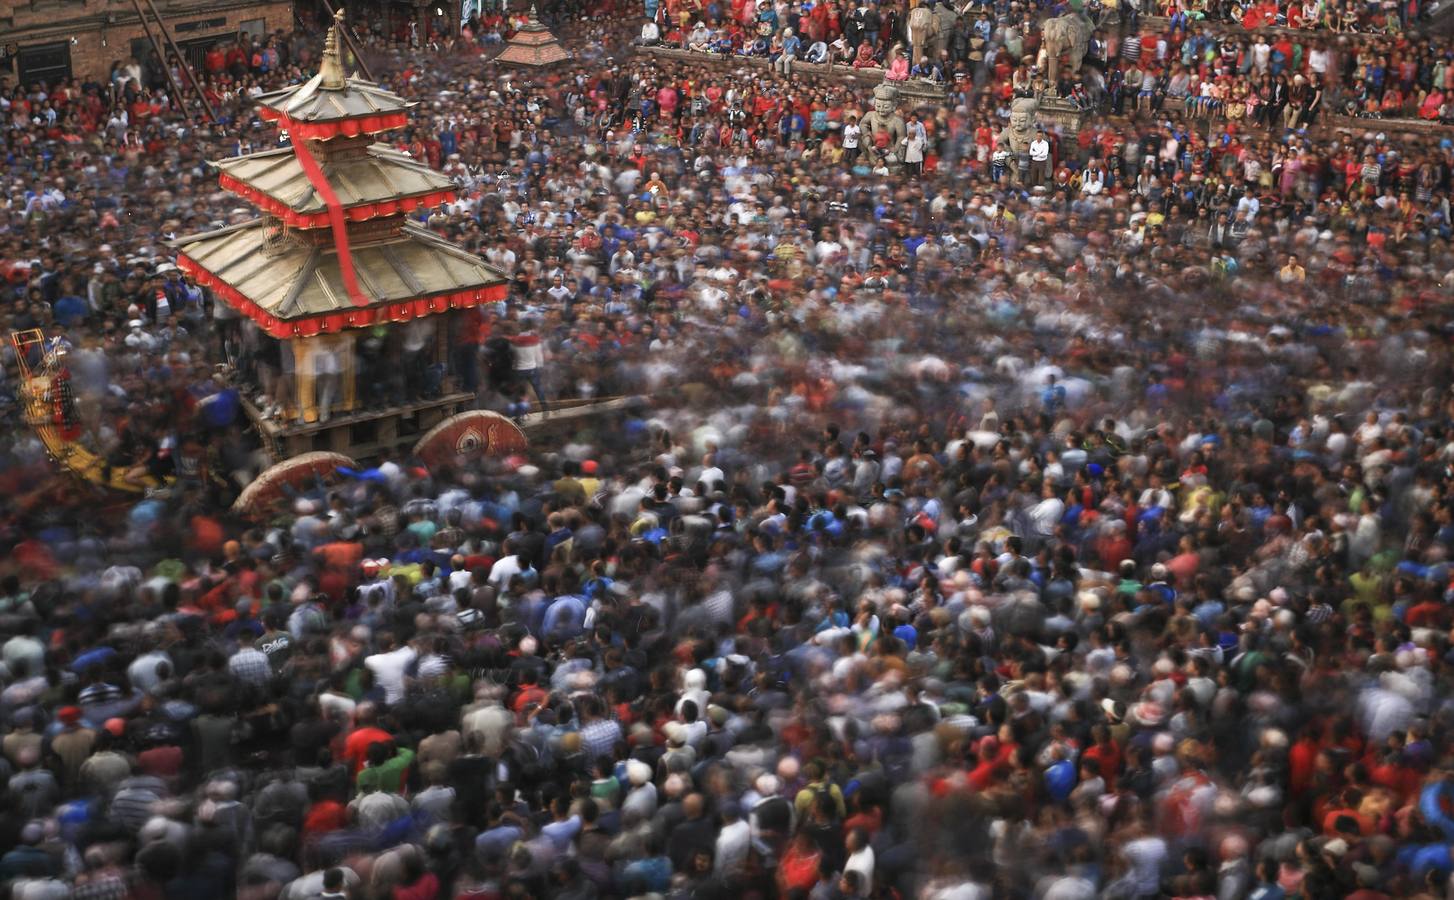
(380, 181)
(332, 104)
(293, 288)
(533, 46)
(311, 110)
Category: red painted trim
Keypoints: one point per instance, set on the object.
(322, 131)
(361, 212)
(332, 323)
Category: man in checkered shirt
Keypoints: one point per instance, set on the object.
(249, 665)
(599, 735)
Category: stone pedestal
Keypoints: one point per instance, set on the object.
(1060, 114)
(920, 92)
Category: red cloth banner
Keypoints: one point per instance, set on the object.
(335, 218)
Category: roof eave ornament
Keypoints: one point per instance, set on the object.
(330, 70)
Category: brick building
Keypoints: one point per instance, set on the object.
(45, 40)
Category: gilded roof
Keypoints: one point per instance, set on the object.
(293, 280)
(311, 101)
(382, 174)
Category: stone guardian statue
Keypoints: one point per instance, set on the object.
(883, 128)
(1017, 135)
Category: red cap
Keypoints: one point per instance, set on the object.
(117, 726)
(69, 715)
(589, 467)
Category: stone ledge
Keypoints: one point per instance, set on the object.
(924, 94)
(913, 89)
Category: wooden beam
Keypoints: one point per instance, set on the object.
(177, 96)
(182, 60)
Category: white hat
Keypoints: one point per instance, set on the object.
(637, 772)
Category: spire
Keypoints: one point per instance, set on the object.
(331, 69)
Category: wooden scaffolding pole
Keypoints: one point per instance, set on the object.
(177, 96)
(182, 60)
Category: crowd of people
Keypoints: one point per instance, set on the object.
(1082, 534)
(1210, 68)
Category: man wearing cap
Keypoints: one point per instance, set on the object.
(28, 859)
(72, 745)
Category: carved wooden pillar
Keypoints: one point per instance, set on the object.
(344, 347)
(442, 327)
(306, 379)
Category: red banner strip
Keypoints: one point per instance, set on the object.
(335, 218)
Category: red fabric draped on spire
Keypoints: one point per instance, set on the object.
(335, 217)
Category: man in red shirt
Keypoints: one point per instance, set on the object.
(367, 733)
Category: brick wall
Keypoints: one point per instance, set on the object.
(102, 30)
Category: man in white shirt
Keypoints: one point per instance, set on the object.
(559, 292)
(851, 133)
(650, 34)
(1039, 158)
(507, 567)
(326, 368)
(1318, 63)
(733, 842)
(711, 473)
(388, 667)
(1261, 55)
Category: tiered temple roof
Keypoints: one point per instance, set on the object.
(335, 249)
(533, 46)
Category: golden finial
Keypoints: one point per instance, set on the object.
(331, 67)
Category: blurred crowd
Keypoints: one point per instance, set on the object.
(1081, 534)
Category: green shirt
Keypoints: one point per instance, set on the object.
(388, 776)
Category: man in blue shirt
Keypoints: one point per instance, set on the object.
(791, 45)
(565, 618)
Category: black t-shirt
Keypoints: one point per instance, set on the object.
(311, 735)
(277, 646)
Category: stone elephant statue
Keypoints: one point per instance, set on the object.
(1068, 34)
(923, 28)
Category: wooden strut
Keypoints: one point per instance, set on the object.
(182, 60)
(347, 32)
(156, 47)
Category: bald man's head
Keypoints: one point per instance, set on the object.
(693, 805)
